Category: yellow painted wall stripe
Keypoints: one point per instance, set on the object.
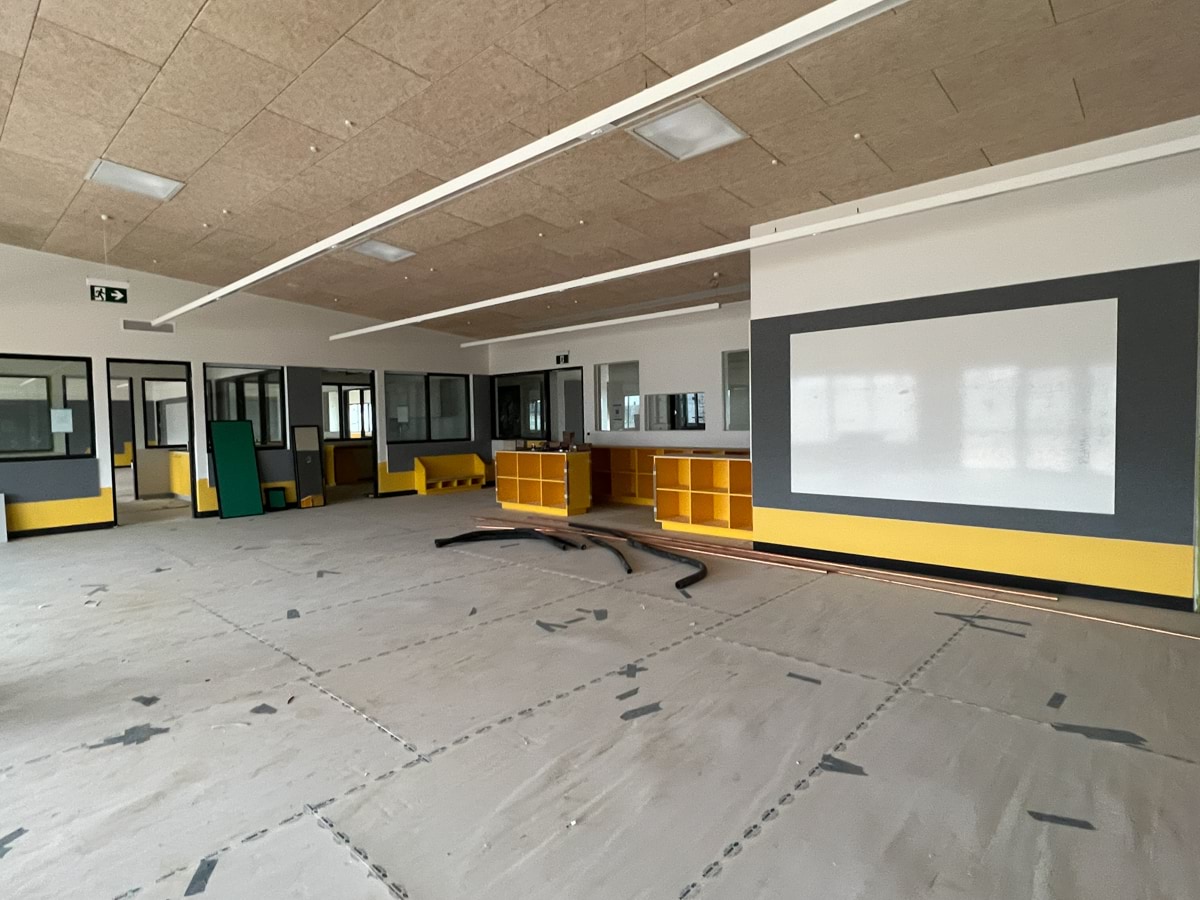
(181, 473)
(40, 514)
(124, 459)
(1152, 568)
(206, 496)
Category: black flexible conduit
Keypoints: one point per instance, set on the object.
(613, 550)
(504, 534)
(687, 581)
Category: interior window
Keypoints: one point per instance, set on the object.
(45, 407)
(618, 397)
(735, 372)
(243, 392)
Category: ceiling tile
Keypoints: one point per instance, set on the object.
(35, 194)
(1073, 9)
(550, 41)
(764, 97)
(53, 135)
(719, 210)
(212, 189)
(523, 229)
(726, 29)
(124, 210)
(148, 31)
(228, 242)
(215, 84)
(667, 18)
(434, 37)
(821, 173)
(16, 20)
(914, 37)
(616, 156)
(606, 198)
(720, 167)
(396, 192)
(145, 243)
(428, 230)
(349, 83)
(76, 240)
(490, 146)
(954, 163)
(317, 191)
(289, 33)
(384, 152)
(84, 77)
(274, 146)
(474, 99)
(24, 234)
(266, 221)
(1054, 105)
(497, 202)
(620, 82)
(1145, 91)
(164, 144)
(10, 67)
(583, 239)
(1130, 30)
(902, 107)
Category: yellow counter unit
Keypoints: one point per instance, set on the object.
(452, 472)
(553, 484)
(704, 495)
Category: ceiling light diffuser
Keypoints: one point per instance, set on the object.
(688, 131)
(136, 181)
(381, 250)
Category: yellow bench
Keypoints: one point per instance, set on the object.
(445, 474)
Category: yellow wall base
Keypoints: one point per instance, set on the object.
(181, 473)
(630, 501)
(392, 482)
(711, 530)
(543, 510)
(124, 459)
(206, 496)
(37, 515)
(1105, 562)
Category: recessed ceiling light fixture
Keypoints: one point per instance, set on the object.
(381, 250)
(689, 130)
(123, 178)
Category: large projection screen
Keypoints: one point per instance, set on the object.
(1015, 408)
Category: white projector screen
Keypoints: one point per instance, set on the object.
(1015, 408)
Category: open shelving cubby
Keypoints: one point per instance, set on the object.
(704, 494)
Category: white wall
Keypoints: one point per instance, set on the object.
(1141, 215)
(46, 310)
(674, 355)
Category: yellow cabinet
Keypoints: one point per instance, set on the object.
(553, 484)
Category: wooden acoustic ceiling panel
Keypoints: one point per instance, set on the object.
(288, 120)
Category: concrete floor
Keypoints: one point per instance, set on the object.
(131, 511)
(319, 704)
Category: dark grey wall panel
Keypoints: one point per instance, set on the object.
(276, 465)
(51, 479)
(401, 456)
(303, 396)
(1156, 403)
(122, 424)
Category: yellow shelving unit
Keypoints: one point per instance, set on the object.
(704, 495)
(446, 474)
(553, 484)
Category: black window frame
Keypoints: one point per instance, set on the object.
(91, 401)
(429, 439)
(546, 429)
(344, 412)
(158, 424)
(260, 377)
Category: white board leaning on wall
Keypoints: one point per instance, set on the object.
(1015, 408)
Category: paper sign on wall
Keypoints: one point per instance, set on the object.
(62, 421)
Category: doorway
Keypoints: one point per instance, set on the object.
(151, 416)
(348, 433)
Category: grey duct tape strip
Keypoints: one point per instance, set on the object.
(628, 694)
(800, 677)
(199, 881)
(1056, 700)
(641, 711)
(1052, 819)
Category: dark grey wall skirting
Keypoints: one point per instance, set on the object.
(1156, 403)
(51, 479)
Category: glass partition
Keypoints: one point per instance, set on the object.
(45, 407)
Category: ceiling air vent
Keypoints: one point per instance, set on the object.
(145, 325)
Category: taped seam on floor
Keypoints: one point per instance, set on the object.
(734, 848)
(374, 870)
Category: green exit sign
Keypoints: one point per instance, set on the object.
(108, 291)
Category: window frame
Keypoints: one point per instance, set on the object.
(725, 387)
(91, 401)
(240, 400)
(344, 412)
(157, 423)
(546, 424)
(429, 439)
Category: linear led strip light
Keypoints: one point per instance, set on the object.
(807, 29)
(1138, 154)
(624, 320)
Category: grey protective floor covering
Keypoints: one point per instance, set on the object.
(318, 704)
